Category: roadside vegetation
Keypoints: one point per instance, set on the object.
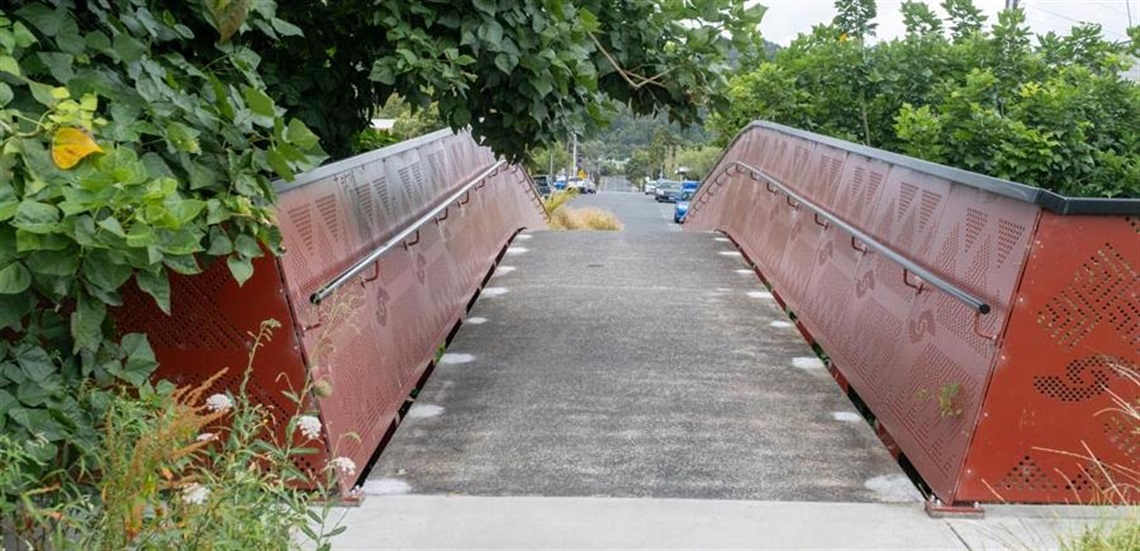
(1057, 112)
(563, 217)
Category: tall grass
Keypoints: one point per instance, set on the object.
(1118, 484)
(563, 217)
(589, 218)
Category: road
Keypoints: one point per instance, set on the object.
(637, 212)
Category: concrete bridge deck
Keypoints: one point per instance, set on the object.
(642, 363)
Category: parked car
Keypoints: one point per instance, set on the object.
(690, 185)
(583, 186)
(650, 187)
(542, 183)
(682, 207)
(667, 191)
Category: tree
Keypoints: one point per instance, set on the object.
(1057, 114)
(920, 20)
(965, 18)
(855, 18)
(518, 72)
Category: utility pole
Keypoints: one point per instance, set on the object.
(573, 159)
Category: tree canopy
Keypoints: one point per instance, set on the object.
(519, 72)
(1050, 111)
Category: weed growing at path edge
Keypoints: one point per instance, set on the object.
(176, 469)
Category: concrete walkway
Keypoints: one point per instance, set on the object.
(631, 364)
(464, 522)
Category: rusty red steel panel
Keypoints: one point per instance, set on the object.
(208, 330)
(1074, 331)
(961, 399)
(373, 338)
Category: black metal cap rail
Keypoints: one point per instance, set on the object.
(1048, 200)
(978, 305)
(400, 238)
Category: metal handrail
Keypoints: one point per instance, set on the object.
(329, 288)
(978, 305)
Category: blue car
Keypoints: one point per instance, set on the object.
(681, 208)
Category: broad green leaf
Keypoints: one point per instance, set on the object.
(112, 225)
(63, 263)
(35, 393)
(128, 48)
(13, 308)
(247, 246)
(43, 93)
(87, 322)
(486, 6)
(140, 361)
(589, 22)
(34, 363)
(186, 210)
(184, 264)
(102, 270)
(279, 164)
(7, 402)
(259, 102)
(157, 285)
(285, 28)
(14, 279)
(8, 64)
(299, 135)
(6, 94)
(43, 18)
(241, 268)
(183, 138)
(220, 243)
(36, 217)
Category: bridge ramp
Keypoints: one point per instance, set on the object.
(633, 364)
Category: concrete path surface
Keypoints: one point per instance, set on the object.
(632, 364)
(464, 522)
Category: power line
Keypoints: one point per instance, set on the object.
(1070, 19)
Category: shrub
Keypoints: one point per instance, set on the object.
(136, 139)
(176, 469)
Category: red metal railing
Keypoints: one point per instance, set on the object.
(952, 304)
(383, 254)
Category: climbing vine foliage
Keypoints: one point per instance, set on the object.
(136, 141)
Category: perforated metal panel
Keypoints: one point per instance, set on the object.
(209, 329)
(1072, 336)
(371, 340)
(935, 372)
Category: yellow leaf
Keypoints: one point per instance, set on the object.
(71, 145)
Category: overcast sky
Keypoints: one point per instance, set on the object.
(787, 18)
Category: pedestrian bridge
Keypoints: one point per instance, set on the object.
(835, 324)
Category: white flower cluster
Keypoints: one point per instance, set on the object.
(195, 494)
(309, 426)
(344, 466)
(219, 402)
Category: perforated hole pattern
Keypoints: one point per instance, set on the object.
(1084, 379)
(1103, 287)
